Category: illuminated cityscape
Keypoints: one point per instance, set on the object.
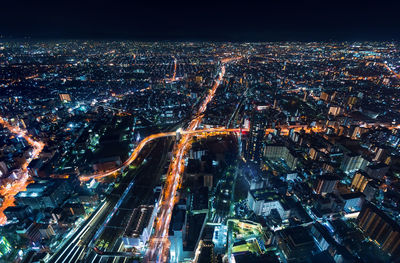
(127, 151)
(199, 131)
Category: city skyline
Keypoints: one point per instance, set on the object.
(174, 136)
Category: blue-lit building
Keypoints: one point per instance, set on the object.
(45, 194)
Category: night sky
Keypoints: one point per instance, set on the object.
(202, 20)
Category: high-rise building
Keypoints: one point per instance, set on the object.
(351, 100)
(334, 110)
(263, 202)
(326, 183)
(322, 236)
(45, 194)
(305, 96)
(185, 231)
(324, 96)
(296, 244)
(352, 162)
(18, 212)
(199, 79)
(360, 181)
(65, 97)
(352, 201)
(381, 228)
(208, 181)
(313, 153)
(258, 125)
(377, 171)
(380, 154)
(46, 231)
(277, 151)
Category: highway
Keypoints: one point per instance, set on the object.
(148, 139)
(158, 246)
(174, 74)
(173, 78)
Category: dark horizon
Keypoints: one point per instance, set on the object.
(204, 21)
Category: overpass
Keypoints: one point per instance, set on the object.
(148, 139)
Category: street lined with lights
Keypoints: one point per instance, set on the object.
(158, 247)
(9, 189)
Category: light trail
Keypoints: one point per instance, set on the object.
(131, 158)
(10, 188)
(397, 75)
(206, 133)
(173, 78)
(227, 60)
(145, 141)
(159, 244)
(385, 65)
(191, 129)
(174, 74)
